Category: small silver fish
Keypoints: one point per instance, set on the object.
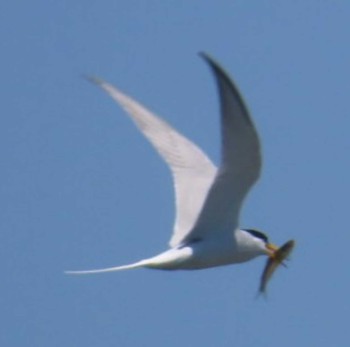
(276, 259)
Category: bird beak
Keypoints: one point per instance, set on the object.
(271, 250)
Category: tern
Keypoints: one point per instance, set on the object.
(206, 231)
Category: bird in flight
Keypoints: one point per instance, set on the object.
(208, 199)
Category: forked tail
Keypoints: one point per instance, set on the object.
(109, 269)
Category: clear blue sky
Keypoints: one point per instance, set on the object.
(80, 188)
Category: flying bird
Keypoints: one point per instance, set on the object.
(206, 231)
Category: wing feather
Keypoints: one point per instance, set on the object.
(192, 170)
(240, 161)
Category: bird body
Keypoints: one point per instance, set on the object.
(236, 247)
(208, 199)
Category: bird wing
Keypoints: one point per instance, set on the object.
(192, 170)
(240, 162)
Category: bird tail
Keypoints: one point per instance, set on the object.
(139, 264)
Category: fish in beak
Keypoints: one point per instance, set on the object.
(276, 258)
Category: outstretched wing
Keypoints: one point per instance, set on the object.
(240, 162)
(192, 170)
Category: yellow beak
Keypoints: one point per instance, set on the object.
(272, 249)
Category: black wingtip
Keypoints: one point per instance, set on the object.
(92, 79)
(210, 60)
(223, 78)
(218, 70)
(203, 54)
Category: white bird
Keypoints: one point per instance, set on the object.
(208, 199)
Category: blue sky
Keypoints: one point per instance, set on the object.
(80, 188)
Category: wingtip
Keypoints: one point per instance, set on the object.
(93, 79)
(206, 57)
(215, 66)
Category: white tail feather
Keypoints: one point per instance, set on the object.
(109, 269)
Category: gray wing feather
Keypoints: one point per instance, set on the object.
(192, 170)
(240, 161)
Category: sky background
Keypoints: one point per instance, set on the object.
(80, 188)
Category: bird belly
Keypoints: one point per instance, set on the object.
(200, 255)
(208, 255)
